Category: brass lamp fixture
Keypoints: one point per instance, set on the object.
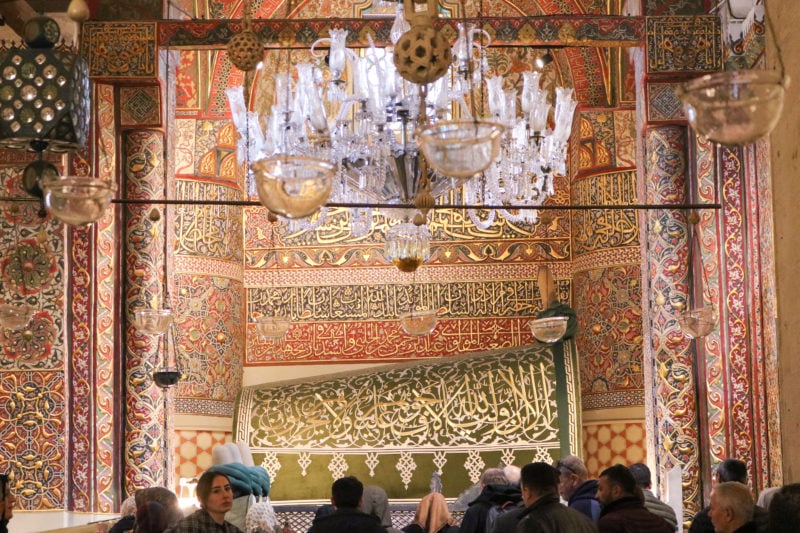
(45, 105)
(44, 91)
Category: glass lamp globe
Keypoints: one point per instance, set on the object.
(152, 321)
(549, 329)
(418, 322)
(461, 148)
(699, 322)
(15, 316)
(77, 200)
(293, 186)
(734, 108)
(273, 327)
(408, 246)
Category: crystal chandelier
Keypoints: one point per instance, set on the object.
(380, 118)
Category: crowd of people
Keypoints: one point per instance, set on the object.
(538, 498)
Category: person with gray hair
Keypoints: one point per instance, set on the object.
(731, 509)
(375, 502)
(576, 488)
(641, 473)
(727, 471)
(495, 490)
(512, 473)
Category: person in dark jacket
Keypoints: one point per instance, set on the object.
(727, 470)
(495, 491)
(622, 505)
(346, 494)
(6, 504)
(544, 513)
(731, 509)
(576, 488)
(784, 509)
(641, 473)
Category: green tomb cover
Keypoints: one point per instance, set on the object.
(396, 426)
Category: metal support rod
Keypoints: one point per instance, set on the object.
(378, 205)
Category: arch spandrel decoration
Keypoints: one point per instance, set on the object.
(400, 424)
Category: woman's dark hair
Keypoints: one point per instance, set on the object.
(151, 518)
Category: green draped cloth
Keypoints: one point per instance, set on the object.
(398, 425)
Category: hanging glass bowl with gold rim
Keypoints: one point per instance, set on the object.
(737, 107)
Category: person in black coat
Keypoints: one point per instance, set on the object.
(6, 504)
(495, 491)
(544, 513)
(728, 470)
(346, 494)
(622, 504)
(784, 509)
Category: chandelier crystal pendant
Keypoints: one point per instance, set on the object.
(375, 123)
(272, 327)
(531, 151)
(420, 319)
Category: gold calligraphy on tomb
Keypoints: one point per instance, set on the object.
(506, 399)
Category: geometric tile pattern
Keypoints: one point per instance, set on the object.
(607, 444)
(209, 335)
(140, 106)
(663, 102)
(193, 450)
(610, 330)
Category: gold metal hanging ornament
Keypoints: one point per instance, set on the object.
(422, 54)
(245, 49)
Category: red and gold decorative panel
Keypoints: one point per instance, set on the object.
(606, 140)
(143, 166)
(673, 383)
(105, 340)
(610, 335)
(607, 444)
(210, 336)
(128, 50)
(32, 429)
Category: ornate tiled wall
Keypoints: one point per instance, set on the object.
(33, 386)
(607, 444)
(193, 450)
(606, 266)
(208, 289)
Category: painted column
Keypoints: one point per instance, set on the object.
(142, 164)
(671, 394)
